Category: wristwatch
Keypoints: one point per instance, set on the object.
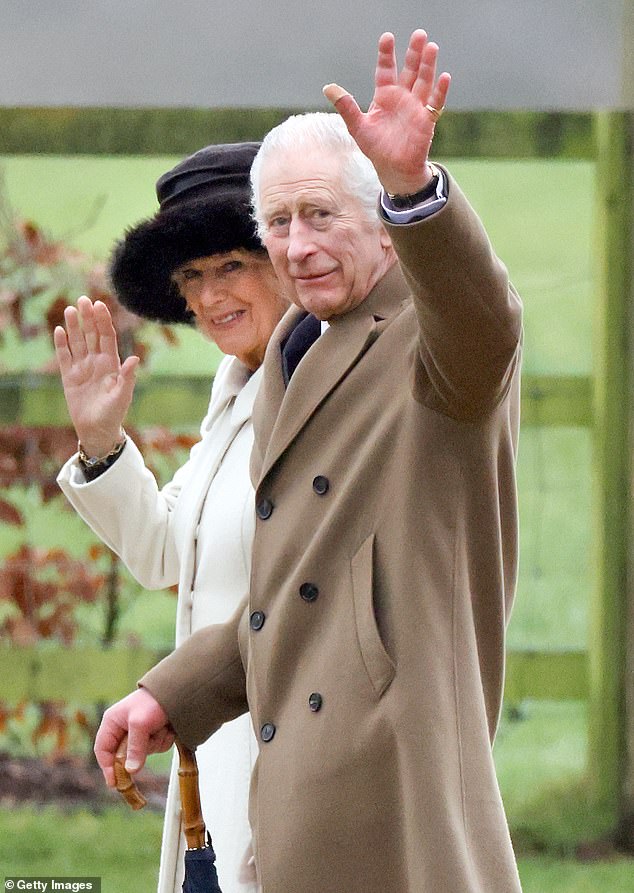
(94, 466)
(405, 202)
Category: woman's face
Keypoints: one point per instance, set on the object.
(236, 299)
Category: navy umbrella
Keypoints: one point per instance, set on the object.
(200, 870)
(200, 860)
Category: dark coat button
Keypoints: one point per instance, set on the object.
(264, 508)
(256, 620)
(315, 701)
(308, 592)
(267, 731)
(321, 485)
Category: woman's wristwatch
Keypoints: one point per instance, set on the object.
(94, 466)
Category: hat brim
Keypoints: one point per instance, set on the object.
(142, 263)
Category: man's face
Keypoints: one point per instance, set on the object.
(326, 253)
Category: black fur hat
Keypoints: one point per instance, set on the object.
(204, 209)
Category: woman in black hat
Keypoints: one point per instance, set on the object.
(197, 261)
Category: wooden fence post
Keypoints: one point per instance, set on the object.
(612, 398)
(627, 799)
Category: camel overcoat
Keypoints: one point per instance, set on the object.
(196, 532)
(383, 572)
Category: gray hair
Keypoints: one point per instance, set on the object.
(326, 131)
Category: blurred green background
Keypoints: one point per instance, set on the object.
(539, 214)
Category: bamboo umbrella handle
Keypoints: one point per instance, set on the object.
(192, 817)
(123, 780)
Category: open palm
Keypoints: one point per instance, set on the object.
(397, 130)
(97, 386)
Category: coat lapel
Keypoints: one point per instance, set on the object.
(234, 395)
(280, 413)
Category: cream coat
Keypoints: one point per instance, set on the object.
(375, 681)
(197, 532)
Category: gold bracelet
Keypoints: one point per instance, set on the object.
(96, 461)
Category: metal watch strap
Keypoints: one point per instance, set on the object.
(94, 466)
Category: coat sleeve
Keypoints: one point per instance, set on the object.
(469, 314)
(130, 514)
(202, 684)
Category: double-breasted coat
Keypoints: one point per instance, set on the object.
(197, 532)
(371, 651)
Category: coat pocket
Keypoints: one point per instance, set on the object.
(378, 664)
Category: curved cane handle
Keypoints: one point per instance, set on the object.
(123, 780)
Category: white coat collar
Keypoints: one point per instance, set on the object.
(235, 383)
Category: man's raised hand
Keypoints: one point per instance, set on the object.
(397, 130)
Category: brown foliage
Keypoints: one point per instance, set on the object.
(9, 514)
(33, 455)
(163, 441)
(43, 587)
(41, 275)
(48, 727)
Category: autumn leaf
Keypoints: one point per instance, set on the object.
(96, 551)
(55, 312)
(9, 514)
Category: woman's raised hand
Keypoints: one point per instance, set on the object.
(97, 386)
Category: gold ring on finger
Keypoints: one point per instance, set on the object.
(436, 113)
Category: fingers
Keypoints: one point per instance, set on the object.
(81, 328)
(62, 352)
(439, 96)
(138, 748)
(127, 378)
(74, 334)
(162, 740)
(89, 331)
(147, 727)
(105, 334)
(333, 93)
(86, 312)
(129, 366)
(419, 71)
(423, 85)
(413, 56)
(345, 104)
(107, 741)
(103, 319)
(386, 72)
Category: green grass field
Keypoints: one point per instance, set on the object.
(539, 217)
(121, 847)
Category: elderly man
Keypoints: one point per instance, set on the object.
(371, 653)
